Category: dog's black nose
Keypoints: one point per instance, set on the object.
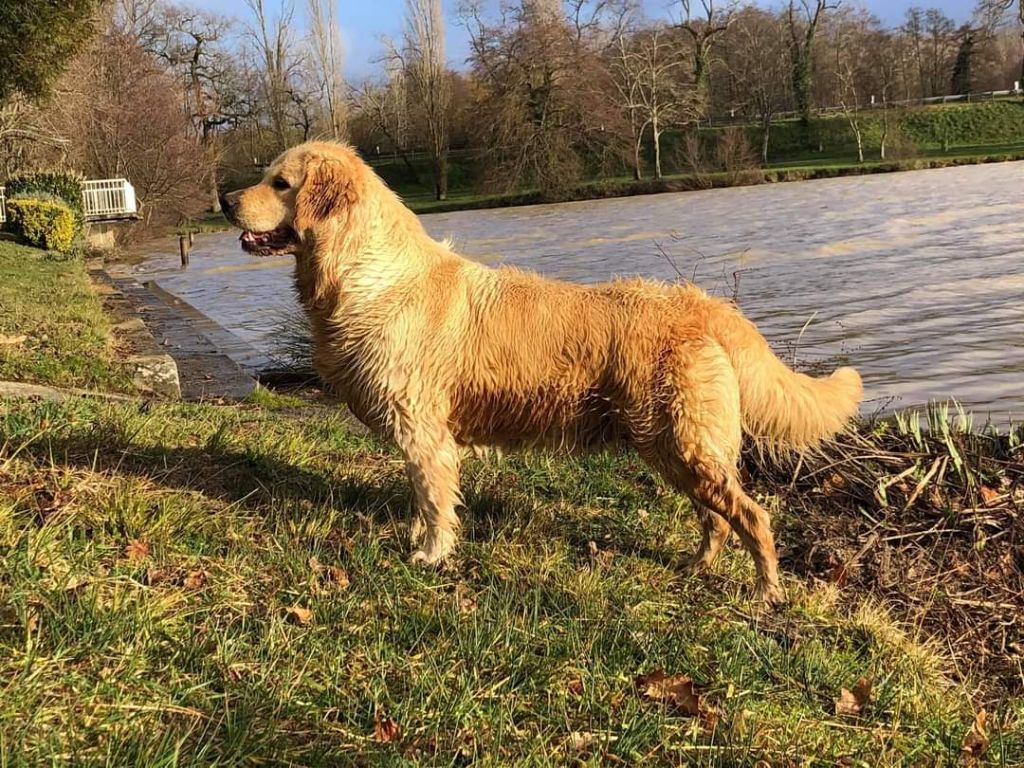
(228, 203)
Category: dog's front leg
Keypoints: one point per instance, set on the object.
(432, 464)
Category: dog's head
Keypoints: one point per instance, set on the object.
(309, 188)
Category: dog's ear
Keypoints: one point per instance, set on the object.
(325, 192)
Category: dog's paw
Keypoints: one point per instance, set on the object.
(437, 546)
(771, 595)
(696, 563)
(417, 530)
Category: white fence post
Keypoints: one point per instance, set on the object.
(107, 198)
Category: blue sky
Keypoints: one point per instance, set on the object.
(365, 21)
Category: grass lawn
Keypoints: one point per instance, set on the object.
(197, 585)
(52, 327)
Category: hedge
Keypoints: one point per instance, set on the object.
(43, 223)
(66, 185)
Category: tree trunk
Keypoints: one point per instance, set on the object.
(656, 133)
(885, 133)
(637, 145)
(701, 77)
(766, 131)
(1022, 47)
(441, 175)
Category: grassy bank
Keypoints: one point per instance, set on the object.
(226, 584)
(185, 585)
(52, 326)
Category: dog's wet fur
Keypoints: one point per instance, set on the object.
(440, 353)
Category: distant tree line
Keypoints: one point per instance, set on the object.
(176, 97)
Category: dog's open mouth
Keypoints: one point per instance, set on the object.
(275, 242)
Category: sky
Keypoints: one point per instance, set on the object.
(364, 22)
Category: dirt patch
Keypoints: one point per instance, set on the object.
(929, 521)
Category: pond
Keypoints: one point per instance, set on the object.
(915, 278)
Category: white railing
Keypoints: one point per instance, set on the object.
(102, 199)
(108, 198)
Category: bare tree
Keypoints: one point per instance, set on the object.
(885, 59)
(545, 98)
(704, 25)
(803, 29)
(429, 82)
(758, 68)
(646, 72)
(325, 38)
(192, 43)
(995, 9)
(275, 51)
(849, 68)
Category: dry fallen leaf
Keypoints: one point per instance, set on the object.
(598, 557)
(195, 579)
(988, 495)
(136, 551)
(385, 730)
(575, 687)
(976, 740)
(581, 741)
(299, 615)
(337, 577)
(330, 575)
(75, 583)
(677, 691)
(853, 702)
(32, 622)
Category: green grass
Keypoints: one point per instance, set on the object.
(52, 325)
(150, 556)
(211, 221)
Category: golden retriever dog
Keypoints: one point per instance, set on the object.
(440, 353)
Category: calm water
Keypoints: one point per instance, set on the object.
(917, 278)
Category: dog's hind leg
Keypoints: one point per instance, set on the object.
(698, 453)
(432, 465)
(715, 532)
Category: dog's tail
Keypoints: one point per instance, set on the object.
(784, 408)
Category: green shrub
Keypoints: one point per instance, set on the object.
(63, 184)
(45, 224)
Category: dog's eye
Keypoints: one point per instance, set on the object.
(280, 183)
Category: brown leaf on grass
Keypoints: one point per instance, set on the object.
(598, 557)
(988, 495)
(136, 551)
(337, 577)
(32, 622)
(836, 571)
(676, 691)
(385, 729)
(155, 576)
(851, 703)
(976, 740)
(196, 579)
(580, 741)
(299, 615)
(75, 583)
(575, 687)
(329, 575)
